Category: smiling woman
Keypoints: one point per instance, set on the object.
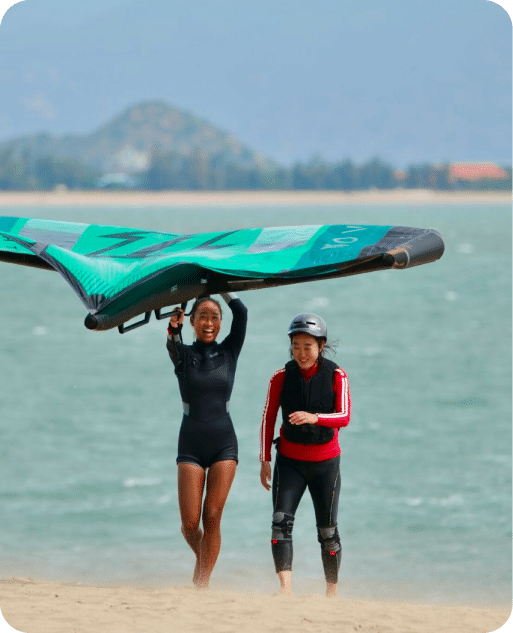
(207, 445)
(313, 394)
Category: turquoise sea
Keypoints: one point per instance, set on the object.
(89, 421)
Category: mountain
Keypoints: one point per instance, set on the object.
(410, 82)
(127, 143)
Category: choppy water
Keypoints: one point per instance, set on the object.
(89, 421)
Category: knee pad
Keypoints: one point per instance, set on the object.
(282, 526)
(329, 539)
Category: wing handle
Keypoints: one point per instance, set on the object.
(126, 328)
(159, 315)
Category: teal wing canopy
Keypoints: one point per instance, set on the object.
(120, 273)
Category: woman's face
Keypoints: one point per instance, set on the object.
(206, 322)
(306, 349)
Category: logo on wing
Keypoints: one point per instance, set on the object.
(344, 239)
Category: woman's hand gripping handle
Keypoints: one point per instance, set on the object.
(176, 319)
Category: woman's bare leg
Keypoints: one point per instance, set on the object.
(219, 480)
(191, 481)
(331, 590)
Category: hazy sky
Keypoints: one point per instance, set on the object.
(405, 80)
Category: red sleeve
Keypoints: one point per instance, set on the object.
(270, 414)
(342, 413)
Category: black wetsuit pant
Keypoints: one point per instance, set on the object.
(291, 478)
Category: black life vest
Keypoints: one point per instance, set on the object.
(314, 396)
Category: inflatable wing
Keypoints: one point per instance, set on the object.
(120, 273)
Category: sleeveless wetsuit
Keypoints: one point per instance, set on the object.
(206, 373)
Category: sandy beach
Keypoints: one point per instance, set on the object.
(237, 198)
(42, 607)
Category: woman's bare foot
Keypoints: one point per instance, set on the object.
(331, 590)
(285, 578)
(196, 575)
(202, 585)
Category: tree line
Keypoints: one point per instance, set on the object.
(198, 172)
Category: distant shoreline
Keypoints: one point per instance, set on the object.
(247, 198)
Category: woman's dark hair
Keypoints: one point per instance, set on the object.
(201, 300)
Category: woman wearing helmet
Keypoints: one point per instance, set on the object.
(313, 393)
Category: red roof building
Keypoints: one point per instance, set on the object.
(476, 171)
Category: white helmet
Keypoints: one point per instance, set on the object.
(309, 324)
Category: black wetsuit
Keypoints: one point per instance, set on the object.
(206, 373)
